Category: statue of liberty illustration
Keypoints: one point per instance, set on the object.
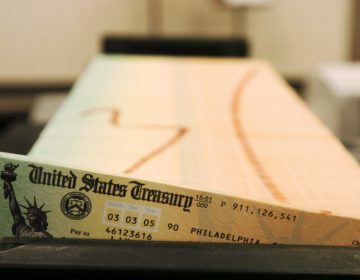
(37, 219)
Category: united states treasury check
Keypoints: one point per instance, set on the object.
(44, 201)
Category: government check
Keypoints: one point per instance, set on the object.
(43, 200)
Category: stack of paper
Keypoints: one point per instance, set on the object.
(250, 162)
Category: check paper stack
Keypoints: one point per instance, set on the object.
(198, 149)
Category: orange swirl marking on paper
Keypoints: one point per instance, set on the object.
(115, 121)
(179, 134)
(114, 117)
(244, 141)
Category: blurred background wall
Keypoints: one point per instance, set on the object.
(45, 45)
(52, 41)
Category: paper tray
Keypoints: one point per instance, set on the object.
(61, 258)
